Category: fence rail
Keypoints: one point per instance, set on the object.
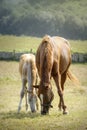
(76, 57)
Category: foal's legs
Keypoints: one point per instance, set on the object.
(58, 80)
(31, 94)
(22, 95)
(25, 92)
(37, 106)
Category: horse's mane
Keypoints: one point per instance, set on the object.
(46, 38)
(47, 57)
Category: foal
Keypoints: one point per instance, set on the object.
(28, 72)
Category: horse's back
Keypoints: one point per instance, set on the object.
(61, 40)
(25, 61)
(63, 53)
(59, 52)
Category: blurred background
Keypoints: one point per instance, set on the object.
(66, 18)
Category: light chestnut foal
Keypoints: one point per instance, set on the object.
(28, 72)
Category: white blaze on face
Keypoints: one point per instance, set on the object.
(41, 97)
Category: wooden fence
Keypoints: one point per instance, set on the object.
(76, 57)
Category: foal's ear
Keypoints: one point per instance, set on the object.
(35, 86)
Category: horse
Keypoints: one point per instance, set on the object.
(28, 72)
(53, 59)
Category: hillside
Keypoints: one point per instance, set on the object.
(67, 18)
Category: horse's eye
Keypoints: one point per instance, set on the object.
(46, 87)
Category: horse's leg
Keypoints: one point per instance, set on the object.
(25, 92)
(63, 79)
(21, 95)
(57, 79)
(37, 105)
(36, 91)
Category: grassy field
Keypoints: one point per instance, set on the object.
(19, 44)
(75, 99)
(25, 43)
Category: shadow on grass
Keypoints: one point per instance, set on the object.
(21, 115)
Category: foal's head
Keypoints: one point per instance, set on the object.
(46, 96)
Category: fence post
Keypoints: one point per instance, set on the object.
(13, 54)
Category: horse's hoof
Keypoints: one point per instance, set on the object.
(60, 109)
(19, 109)
(18, 112)
(33, 111)
(65, 112)
(26, 107)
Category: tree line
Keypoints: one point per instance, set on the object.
(65, 18)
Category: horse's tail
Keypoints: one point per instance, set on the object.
(73, 78)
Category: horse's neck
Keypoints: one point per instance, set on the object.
(45, 76)
(45, 73)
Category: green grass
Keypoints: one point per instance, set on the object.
(19, 44)
(75, 99)
(25, 43)
(78, 46)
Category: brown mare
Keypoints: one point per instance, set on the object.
(53, 59)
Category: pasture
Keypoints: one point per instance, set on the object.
(25, 44)
(10, 85)
(75, 99)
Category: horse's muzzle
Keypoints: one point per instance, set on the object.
(44, 113)
(46, 110)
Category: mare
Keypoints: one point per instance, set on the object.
(28, 72)
(53, 59)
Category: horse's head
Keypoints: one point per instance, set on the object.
(46, 96)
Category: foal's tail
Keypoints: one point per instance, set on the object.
(73, 78)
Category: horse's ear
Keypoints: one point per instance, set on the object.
(35, 86)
